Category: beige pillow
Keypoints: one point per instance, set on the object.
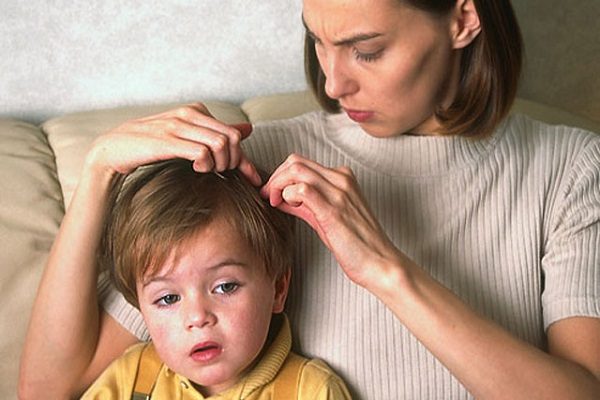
(279, 106)
(30, 213)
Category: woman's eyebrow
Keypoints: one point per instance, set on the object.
(359, 37)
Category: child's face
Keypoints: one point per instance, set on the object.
(208, 312)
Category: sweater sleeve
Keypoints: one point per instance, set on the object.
(116, 306)
(571, 263)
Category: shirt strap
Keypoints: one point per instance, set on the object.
(149, 366)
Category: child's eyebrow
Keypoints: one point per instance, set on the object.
(154, 279)
(230, 262)
(222, 264)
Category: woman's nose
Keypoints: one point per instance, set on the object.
(198, 314)
(338, 81)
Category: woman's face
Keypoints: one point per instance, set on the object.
(389, 65)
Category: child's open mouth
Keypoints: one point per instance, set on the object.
(206, 351)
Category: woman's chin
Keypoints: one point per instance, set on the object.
(380, 131)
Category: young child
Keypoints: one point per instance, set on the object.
(208, 264)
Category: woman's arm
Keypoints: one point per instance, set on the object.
(487, 359)
(69, 341)
(64, 326)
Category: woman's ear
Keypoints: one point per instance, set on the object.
(465, 24)
(282, 284)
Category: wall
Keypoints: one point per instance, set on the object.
(563, 54)
(59, 56)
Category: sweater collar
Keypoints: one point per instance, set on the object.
(269, 364)
(408, 155)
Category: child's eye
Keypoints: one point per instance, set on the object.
(167, 300)
(226, 288)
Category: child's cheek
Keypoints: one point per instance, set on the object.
(159, 327)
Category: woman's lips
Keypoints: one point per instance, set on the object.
(359, 116)
(206, 351)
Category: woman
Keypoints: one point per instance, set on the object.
(469, 238)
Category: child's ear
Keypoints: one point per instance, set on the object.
(282, 284)
(466, 25)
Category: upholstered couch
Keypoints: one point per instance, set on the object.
(40, 160)
(39, 167)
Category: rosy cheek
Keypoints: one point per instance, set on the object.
(158, 328)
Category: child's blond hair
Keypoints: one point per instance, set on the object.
(161, 206)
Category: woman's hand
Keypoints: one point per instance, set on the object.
(188, 132)
(329, 200)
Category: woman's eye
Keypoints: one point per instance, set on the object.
(226, 288)
(167, 300)
(367, 57)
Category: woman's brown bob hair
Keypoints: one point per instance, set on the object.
(489, 71)
(161, 207)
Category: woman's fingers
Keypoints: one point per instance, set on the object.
(189, 132)
(223, 141)
(297, 169)
(218, 149)
(245, 129)
(329, 200)
(310, 191)
(224, 147)
(247, 168)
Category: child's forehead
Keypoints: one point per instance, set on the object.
(195, 273)
(212, 248)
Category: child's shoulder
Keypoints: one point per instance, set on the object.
(127, 363)
(117, 380)
(318, 368)
(317, 380)
(135, 350)
(130, 358)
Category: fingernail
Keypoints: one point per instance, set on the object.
(263, 192)
(244, 128)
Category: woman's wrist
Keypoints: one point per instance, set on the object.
(96, 174)
(409, 291)
(393, 280)
(95, 165)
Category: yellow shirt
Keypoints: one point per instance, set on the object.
(317, 380)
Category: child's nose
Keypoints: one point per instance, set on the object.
(199, 315)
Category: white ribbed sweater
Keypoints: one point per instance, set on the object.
(510, 223)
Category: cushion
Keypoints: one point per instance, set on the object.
(279, 106)
(30, 213)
